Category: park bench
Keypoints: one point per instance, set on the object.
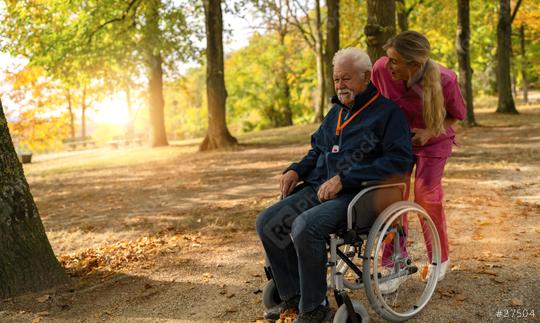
(119, 141)
(73, 143)
(24, 157)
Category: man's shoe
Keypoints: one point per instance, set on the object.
(320, 314)
(273, 313)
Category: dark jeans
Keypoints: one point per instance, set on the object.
(293, 234)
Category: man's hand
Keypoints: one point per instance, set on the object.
(421, 136)
(330, 189)
(288, 182)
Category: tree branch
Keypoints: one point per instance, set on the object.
(516, 8)
(122, 18)
(305, 34)
(411, 8)
(308, 19)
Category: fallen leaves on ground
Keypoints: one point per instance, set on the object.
(516, 302)
(288, 316)
(111, 257)
(451, 293)
(43, 299)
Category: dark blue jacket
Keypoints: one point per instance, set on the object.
(374, 146)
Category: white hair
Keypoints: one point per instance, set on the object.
(358, 57)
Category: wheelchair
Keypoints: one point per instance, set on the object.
(396, 260)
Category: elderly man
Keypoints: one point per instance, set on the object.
(364, 137)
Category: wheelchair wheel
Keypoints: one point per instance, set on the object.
(270, 295)
(342, 315)
(403, 250)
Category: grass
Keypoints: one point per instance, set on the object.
(486, 116)
(81, 161)
(103, 158)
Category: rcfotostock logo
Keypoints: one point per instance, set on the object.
(368, 143)
(278, 229)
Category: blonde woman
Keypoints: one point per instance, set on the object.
(430, 98)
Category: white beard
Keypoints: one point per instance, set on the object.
(345, 94)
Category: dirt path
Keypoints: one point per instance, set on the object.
(173, 239)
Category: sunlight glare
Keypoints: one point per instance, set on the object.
(111, 111)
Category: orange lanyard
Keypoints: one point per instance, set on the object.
(339, 127)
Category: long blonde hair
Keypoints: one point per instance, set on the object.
(415, 48)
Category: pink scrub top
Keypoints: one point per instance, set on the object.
(410, 102)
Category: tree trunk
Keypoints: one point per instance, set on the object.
(286, 101)
(504, 44)
(71, 115)
(332, 44)
(218, 135)
(319, 53)
(380, 26)
(402, 15)
(284, 83)
(83, 114)
(464, 58)
(158, 136)
(513, 79)
(130, 131)
(27, 262)
(524, 79)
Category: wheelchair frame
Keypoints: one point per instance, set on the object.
(339, 262)
(337, 283)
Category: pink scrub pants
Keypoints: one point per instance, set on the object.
(429, 194)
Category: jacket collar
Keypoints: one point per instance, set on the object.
(360, 99)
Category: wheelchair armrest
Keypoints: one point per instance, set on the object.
(397, 180)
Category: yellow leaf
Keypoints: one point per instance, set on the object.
(43, 298)
(517, 302)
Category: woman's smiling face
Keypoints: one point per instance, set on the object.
(397, 66)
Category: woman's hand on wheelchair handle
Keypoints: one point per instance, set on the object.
(330, 189)
(288, 182)
(421, 136)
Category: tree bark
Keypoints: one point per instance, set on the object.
(319, 53)
(284, 82)
(332, 44)
(464, 58)
(524, 79)
(27, 262)
(71, 115)
(158, 135)
(380, 26)
(402, 15)
(217, 135)
(504, 46)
